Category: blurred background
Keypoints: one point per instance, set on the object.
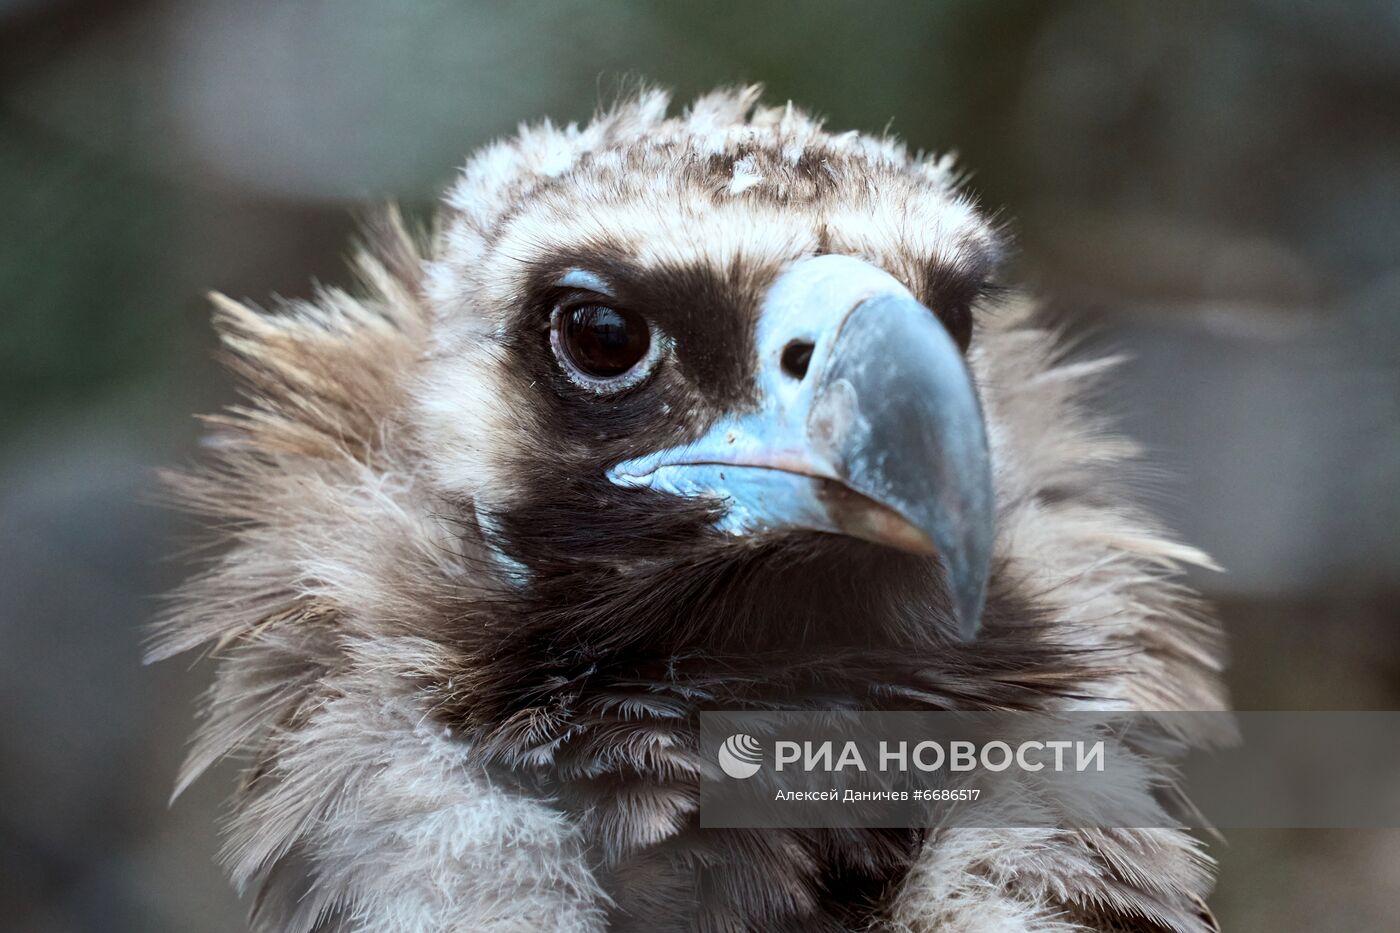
(1212, 188)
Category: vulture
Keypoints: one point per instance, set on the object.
(668, 412)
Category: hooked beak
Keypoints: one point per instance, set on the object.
(878, 436)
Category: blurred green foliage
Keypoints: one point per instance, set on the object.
(83, 272)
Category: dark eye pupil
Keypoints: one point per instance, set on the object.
(605, 342)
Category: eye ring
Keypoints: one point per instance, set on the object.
(602, 348)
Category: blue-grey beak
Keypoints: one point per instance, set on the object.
(867, 425)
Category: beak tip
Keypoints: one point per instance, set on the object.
(968, 586)
(969, 615)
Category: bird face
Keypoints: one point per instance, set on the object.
(676, 413)
(685, 345)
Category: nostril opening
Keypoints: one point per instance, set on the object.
(797, 356)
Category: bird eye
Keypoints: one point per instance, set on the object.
(958, 319)
(602, 348)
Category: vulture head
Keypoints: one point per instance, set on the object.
(719, 410)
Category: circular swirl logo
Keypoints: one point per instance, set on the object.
(740, 756)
